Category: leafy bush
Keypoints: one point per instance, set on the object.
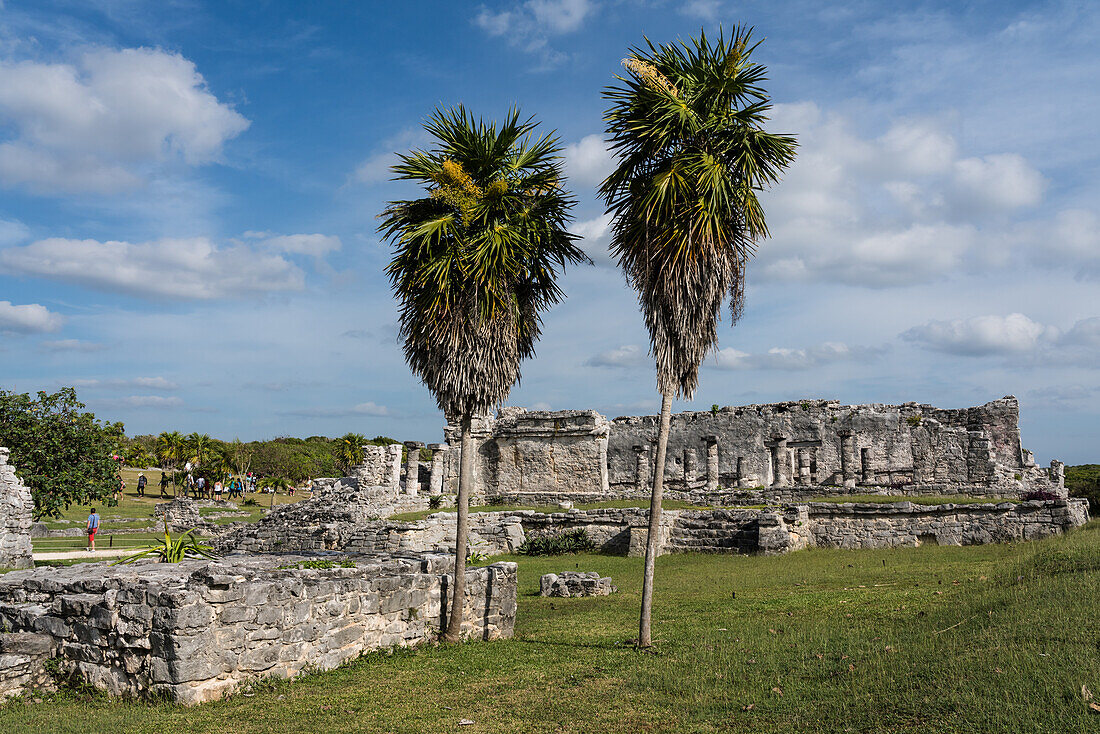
(1084, 481)
(569, 541)
(1040, 494)
(435, 502)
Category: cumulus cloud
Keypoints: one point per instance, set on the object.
(31, 318)
(530, 24)
(368, 408)
(782, 358)
(302, 244)
(982, 335)
(142, 401)
(1084, 333)
(628, 355)
(186, 268)
(588, 161)
(94, 125)
(595, 236)
(901, 208)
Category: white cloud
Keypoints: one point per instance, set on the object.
(529, 25)
(782, 358)
(1084, 333)
(71, 345)
(147, 401)
(31, 318)
(96, 124)
(982, 335)
(12, 232)
(588, 161)
(302, 244)
(898, 209)
(185, 268)
(595, 236)
(703, 9)
(147, 383)
(628, 355)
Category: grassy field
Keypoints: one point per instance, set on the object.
(996, 638)
(137, 512)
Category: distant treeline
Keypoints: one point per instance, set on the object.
(295, 459)
(1084, 481)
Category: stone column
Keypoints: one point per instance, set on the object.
(412, 467)
(802, 477)
(781, 460)
(16, 508)
(641, 473)
(393, 462)
(605, 482)
(865, 463)
(848, 459)
(712, 463)
(1058, 473)
(691, 471)
(435, 482)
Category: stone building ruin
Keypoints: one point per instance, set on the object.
(16, 508)
(776, 452)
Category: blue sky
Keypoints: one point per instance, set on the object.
(188, 193)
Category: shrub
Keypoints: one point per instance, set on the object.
(435, 502)
(569, 541)
(913, 420)
(1040, 494)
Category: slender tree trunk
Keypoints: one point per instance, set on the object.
(458, 582)
(644, 637)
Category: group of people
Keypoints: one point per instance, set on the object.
(235, 487)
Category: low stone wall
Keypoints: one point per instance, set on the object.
(16, 507)
(908, 524)
(23, 657)
(197, 630)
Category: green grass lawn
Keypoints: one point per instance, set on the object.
(996, 638)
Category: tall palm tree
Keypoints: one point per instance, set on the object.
(687, 127)
(475, 264)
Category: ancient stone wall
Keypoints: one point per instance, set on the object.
(16, 508)
(23, 657)
(785, 449)
(196, 631)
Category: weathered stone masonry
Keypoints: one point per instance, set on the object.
(197, 630)
(16, 508)
(782, 451)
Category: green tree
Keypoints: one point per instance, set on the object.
(349, 451)
(62, 453)
(687, 127)
(475, 264)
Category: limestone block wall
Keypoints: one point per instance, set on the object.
(536, 457)
(16, 508)
(23, 657)
(196, 631)
(519, 452)
(907, 524)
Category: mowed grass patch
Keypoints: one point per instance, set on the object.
(996, 638)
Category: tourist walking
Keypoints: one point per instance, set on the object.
(142, 481)
(93, 528)
(200, 488)
(163, 485)
(218, 491)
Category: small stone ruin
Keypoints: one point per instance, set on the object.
(576, 583)
(180, 515)
(16, 510)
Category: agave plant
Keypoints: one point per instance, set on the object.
(173, 550)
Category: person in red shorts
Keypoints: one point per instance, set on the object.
(93, 526)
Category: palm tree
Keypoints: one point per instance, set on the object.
(349, 451)
(475, 265)
(687, 127)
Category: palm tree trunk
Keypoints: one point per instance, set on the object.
(644, 637)
(458, 582)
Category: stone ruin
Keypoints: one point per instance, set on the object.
(16, 511)
(782, 452)
(199, 630)
(575, 584)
